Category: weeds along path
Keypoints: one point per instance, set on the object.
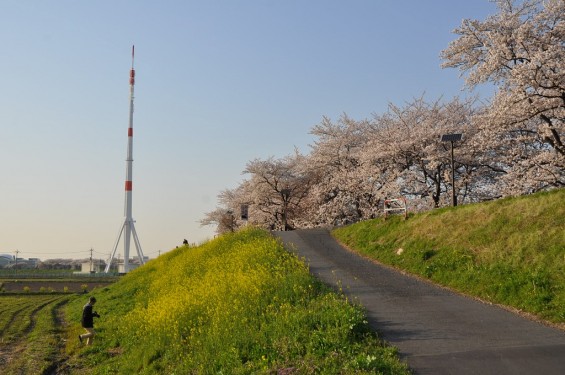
(436, 331)
(30, 333)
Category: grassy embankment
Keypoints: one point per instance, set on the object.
(239, 304)
(509, 251)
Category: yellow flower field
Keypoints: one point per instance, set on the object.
(240, 304)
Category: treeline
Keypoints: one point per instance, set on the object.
(511, 145)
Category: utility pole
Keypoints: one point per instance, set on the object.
(91, 260)
(16, 266)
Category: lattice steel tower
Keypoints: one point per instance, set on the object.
(128, 227)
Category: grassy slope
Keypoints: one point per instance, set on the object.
(239, 304)
(510, 251)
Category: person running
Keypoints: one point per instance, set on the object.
(87, 321)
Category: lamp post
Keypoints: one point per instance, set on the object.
(452, 138)
(285, 193)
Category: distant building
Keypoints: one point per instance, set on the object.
(118, 264)
(19, 263)
(121, 268)
(34, 261)
(135, 259)
(5, 260)
(94, 267)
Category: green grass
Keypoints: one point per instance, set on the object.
(240, 304)
(510, 251)
(30, 334)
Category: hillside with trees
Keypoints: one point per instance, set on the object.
(512, 144)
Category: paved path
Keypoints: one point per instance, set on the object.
(435, 330)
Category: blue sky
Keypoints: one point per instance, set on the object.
(218, 83)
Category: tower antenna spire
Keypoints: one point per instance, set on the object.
(128, 227)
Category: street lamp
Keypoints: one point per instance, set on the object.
(452, 138)
(285, 193)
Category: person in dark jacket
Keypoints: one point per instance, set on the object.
(87, 321)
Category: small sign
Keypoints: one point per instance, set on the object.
(244, 211)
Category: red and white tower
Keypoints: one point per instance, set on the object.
(128, 227)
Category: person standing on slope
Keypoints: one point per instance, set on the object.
(87, 321)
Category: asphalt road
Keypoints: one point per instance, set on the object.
(436, 331)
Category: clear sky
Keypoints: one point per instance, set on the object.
(218, 83)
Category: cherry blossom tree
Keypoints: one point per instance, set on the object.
(521, 50)
(354, 166)
(276, 190)
(405, 146)
(227, 216)
(343, 191)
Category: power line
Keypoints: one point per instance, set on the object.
(55, 253)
